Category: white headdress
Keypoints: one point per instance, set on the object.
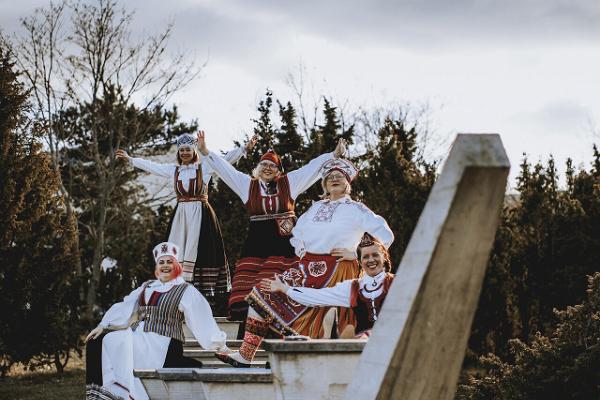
(186, 140)
(165, 249)
(342, 165)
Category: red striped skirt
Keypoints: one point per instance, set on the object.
(249, 271)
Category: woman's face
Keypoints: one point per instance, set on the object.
(267, 170)
(372, 260)
(186, 153)
(164, 269)
(335, 183)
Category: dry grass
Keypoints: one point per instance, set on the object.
(45, 385)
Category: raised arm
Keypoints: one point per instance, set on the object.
(164, 170)
(236, 180)
(304, 177)
(232, 157)
(199, 318)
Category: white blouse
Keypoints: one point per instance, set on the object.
(330, 224)
(195, 308)
(186, 172)
(338, 295)
(300, 180)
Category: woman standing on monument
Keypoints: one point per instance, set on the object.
(325, 238)
(269, 196)
(194, 226)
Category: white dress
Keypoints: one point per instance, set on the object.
(185, 228)
(125, 350)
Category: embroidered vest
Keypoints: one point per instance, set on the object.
(278, 203)
(367, 310)
(278, 207)
(196, 187)
(161, 315)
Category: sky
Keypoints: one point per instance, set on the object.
(526, 69)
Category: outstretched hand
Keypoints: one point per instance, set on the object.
(97, 331)
(274, 285)
(251, 143)
(202, 143)
(121, 155)
(340, 149)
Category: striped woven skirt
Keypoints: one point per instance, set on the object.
(288, 317)
(249, 271)
(195, 229)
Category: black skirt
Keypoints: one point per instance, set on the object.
(211, 270)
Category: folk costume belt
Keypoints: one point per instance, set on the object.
(285, 221)
(266, 217)
(203, 198)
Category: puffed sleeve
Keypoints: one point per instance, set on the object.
(304, 177)
(119, 315)
(164, 170)
(232, 157)
(338, 296)
(199, 318)
(236, 180)
(376, 226)
(298, 234)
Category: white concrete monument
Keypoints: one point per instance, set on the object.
(418, 344)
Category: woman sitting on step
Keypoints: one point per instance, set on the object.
(145, 331)
(325, 239)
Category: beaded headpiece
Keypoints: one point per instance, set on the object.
(186, 140)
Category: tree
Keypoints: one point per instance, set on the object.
(563, 365)
(541, 253)
(84, 77)
(38, 268)
(395, 182)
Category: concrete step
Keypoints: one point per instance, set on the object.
(232, 344)
(229, 327)
(207, 384)
(212, 364)
(202, 355)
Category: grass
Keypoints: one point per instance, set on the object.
(45, 385)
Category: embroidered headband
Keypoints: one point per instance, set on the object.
(186, 140)
(165, 249)
(342, 165)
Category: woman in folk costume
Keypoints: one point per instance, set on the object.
(194, 226)
(269, 196)
(364, 295)
(145, 331)
(325, 238)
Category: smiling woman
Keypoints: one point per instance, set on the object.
(325, 239)
(145, 331)
(194, 226)
(269, 196)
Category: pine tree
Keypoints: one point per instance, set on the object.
(394, 183)
(38, 280)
